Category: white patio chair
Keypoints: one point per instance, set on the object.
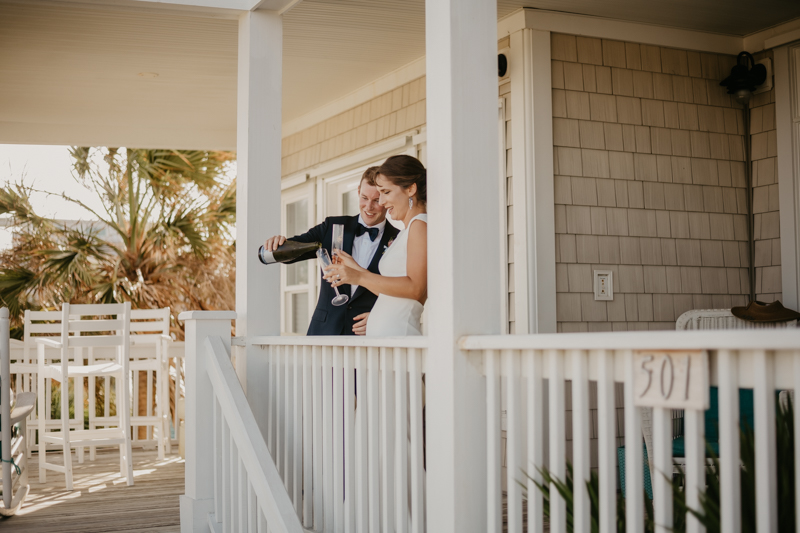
(702, 319)
(149, 344)
(101, 333)
(38, 324)
(14, 473)
(723, 319)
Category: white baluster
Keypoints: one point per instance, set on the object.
(308, 520)
(766, 461)
(387, 440)
(150, 376)
(92, 399)
(694, 431)
(534, 371)
(634, 459)
(729, 478)
(234, 485)
(349, 447)
(252, 509)
(338, 441)
(272, 417)
(180, 367)
(217, 448)
(417, 471)
(316, 387)
(514, 448)
(580, 440)
(494, 495)
(288, 418)
(297, 434)
(327, 439)
(558, 508)
(607, 449)
(401, 440)
(262, 523)
(241, 495)
(374, 438)
(662, 489)
(280, 409)
(226, 477)
(363, 403)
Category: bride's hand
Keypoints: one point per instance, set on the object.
(338, 275)
(348, 261)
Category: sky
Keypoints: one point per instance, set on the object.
(47, 168)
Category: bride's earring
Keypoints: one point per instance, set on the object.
(410, 202)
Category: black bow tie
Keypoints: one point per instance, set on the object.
(361, 229)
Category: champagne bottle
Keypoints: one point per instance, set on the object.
(287, 251)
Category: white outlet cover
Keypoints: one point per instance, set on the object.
(603, 285)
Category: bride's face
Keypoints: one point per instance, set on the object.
(394, 198)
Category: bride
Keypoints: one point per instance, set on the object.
(402, 285)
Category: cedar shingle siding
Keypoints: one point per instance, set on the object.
(384, 116)
(649, 183)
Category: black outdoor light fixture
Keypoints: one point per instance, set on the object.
(744, 78)
(502, 65)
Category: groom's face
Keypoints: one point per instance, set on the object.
(371, 211)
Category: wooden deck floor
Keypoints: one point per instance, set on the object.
(101, 501)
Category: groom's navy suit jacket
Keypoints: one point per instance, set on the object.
(329, 319)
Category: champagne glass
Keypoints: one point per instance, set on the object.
(338, 242)
(324, 262)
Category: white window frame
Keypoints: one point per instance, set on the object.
(294, 194)
(333, 185)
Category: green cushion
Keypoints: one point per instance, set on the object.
(746, 419)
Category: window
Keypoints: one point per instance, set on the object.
(297, 279)
(296, 223)
(350, 202)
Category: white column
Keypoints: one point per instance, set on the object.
(463, 203)
(534, 196)
(199, 498)
(787, 64)
(258, 205)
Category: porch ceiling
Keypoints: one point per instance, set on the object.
(79, 72)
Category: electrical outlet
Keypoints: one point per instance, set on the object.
(603, 285)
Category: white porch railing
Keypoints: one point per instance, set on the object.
(765, 361)
(346, 429)
(232, 483)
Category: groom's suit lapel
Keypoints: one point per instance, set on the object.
(389, 233)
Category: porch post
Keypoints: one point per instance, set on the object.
(199, 498)
(258, 193)
(461, 63)
(534, 196)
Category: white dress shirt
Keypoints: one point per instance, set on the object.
(364, 248)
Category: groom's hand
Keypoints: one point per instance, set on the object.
(360, 327)
(273, 242)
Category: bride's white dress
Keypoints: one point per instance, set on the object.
(391, 316)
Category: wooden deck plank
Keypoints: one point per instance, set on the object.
(101, 501)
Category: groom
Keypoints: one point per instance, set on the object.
(366, 237)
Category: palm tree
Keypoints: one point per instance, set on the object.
(163, 237)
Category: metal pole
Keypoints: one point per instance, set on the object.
(748, 173)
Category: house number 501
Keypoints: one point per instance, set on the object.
(672, 379)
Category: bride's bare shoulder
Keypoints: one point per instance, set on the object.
(418, 230)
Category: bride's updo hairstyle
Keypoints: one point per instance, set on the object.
(405, 171)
